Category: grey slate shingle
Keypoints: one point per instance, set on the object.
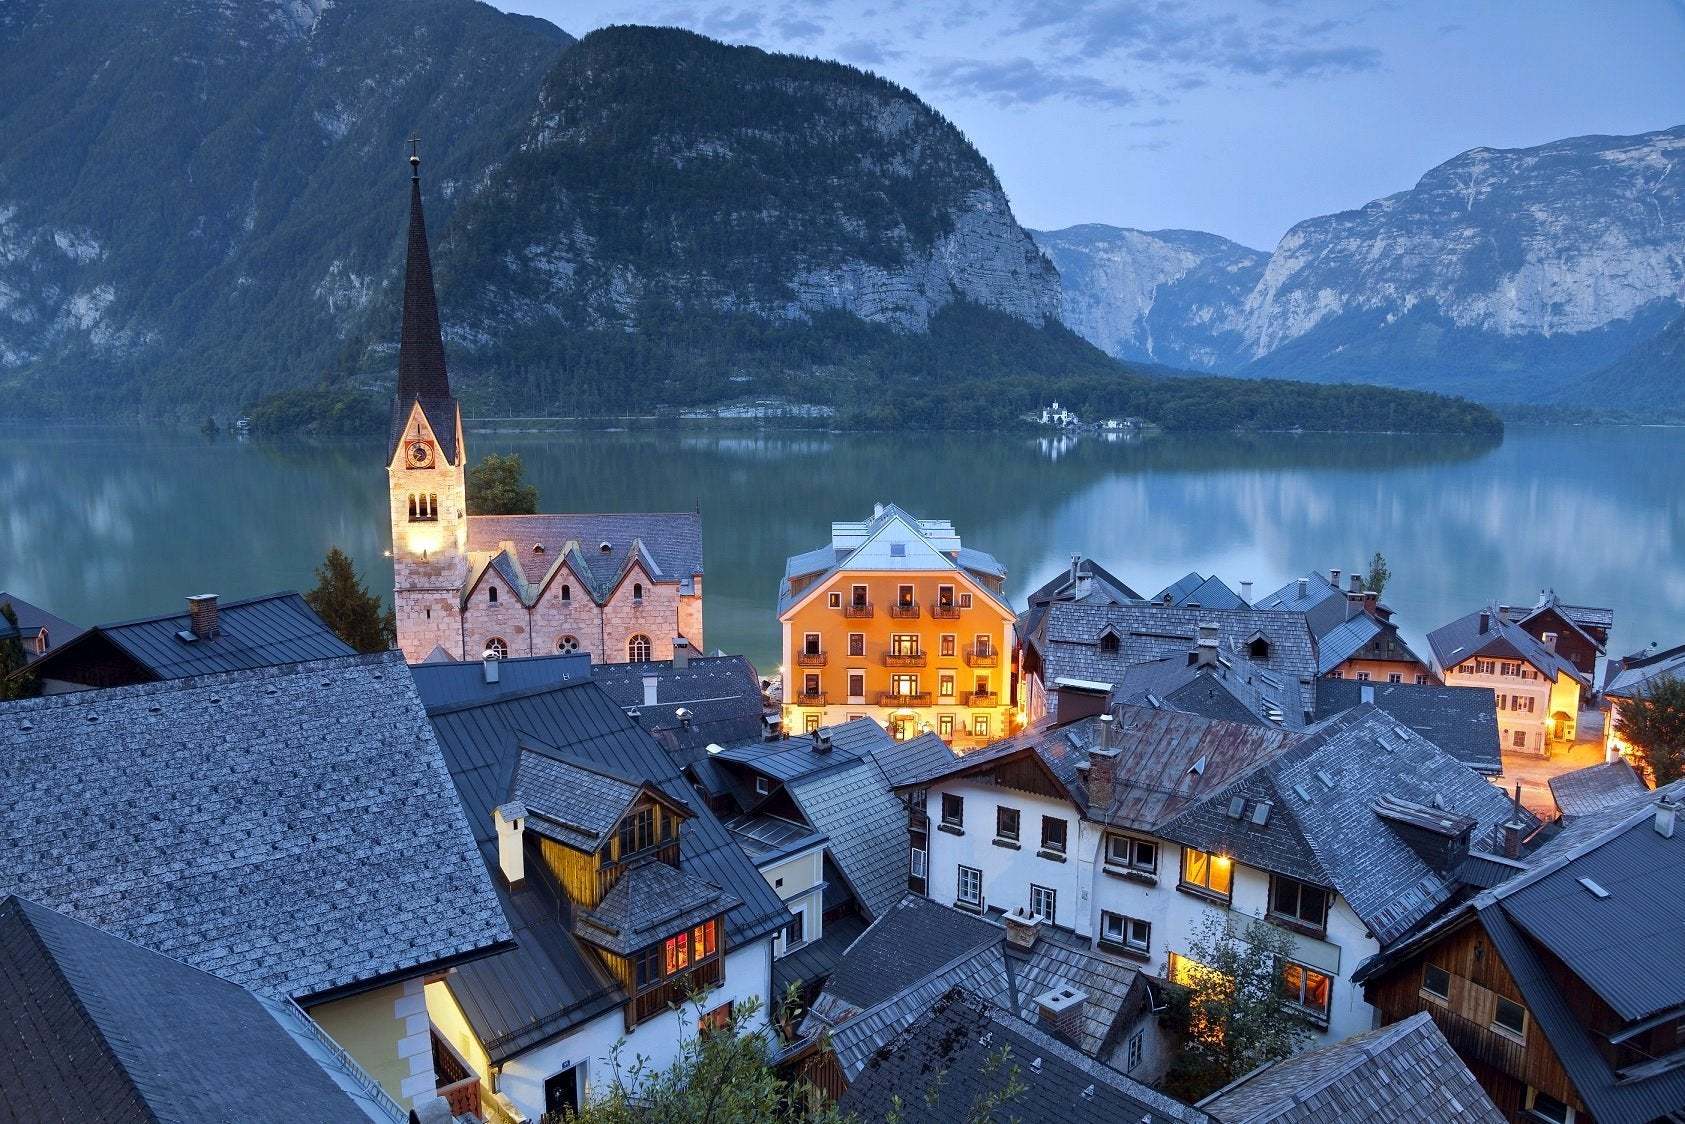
(867, 827)
(1596, 787)
(1460, 720)
(290, 829)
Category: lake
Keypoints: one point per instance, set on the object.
(100, 525)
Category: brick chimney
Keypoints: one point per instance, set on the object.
(1246, 592)
(1514, 827)
(1304, 588)
(681, 653)
(1356, 583)
(1485, 623)
(202, 616)
(1022, 928)
(1334, 578)
(1100, 774)
(510, 820)
(1060, 1013)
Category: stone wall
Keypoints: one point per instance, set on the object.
(656, 615)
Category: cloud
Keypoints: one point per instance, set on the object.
(865, 52)
(1021, 82)
(798, 29)
(1155, 123)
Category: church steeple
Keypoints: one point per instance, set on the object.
(421, 350)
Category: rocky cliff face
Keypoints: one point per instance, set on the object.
(1166, 296)
(1506, 275)
(663, 172)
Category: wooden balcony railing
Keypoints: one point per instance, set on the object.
(861, 610)
(904, 610)
(945, 611)
(1478, 1043)
(903, 659)
(675, 991)
(817, 698)
(981, 655)
(453, 1079)
(890, 698)
(980, 698)
(810, 659)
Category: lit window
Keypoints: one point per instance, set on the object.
(945, 685)
(638, 649)
(1044, 902)
(980, 725)
(1128, 851)
(834, 600)
(1006, 823)
(905, 686)
(1306, 988)
(497, 649)
(857, 643)
(1053, 834)
(904, 644)
(716, 1020)
(953, 810)
(1298, 901)
(945, 726)
(904, 596)
(970, 888)
(1208, 872)
(950, 643)
(810, 724)
(1510, 1019)
(1436, 982)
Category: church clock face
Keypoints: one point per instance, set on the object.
(421, 454)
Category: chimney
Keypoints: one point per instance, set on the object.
(1485, 623)
(1371, 601)
(1205, 652)
(201, 616)
(681, 653)
(1366, 694)
(1022, 928)
(1549, 641)
(1334, 578)
(1666, 810)
(877, 508)
(1356, 583)
(1076, 567)
(652, 686)
(1078, 699)
(821, 742)
(1246, 592)
(1060, 1013)
(510, 819)
(1513, 827)
(684, 716)
(1304, 587)
(488, 666)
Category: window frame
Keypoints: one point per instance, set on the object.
(857, 643)
(1048, 844)
(1131, 842)
(1002, 812)
(1205, 889)
(638, 642)
(1428, 992)
(1305, 974)
(948, 646)
(962, 880)
(1125, 936)
(1503, 1029)
(957, 818)
(833, 599)
(1296, 919)
(980, 726)
(1049, 896)
(945, 726)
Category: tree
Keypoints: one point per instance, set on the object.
(341, 600)
(720, 1076)
(14, 682)
(496, 486)
(1652, 723)
(1231, 1007)
(1379, 574)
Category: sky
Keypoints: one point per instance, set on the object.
(1239, 117)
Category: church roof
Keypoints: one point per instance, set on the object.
(599, 549)
(421, 347)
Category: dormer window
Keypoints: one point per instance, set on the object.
(1109, 644)
(1258, 649)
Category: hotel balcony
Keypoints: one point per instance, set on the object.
(856, 611)
(810, 659)
(945, 611)
(904, 659)
(904, 610)
(980, 698)
(815, 699)
(890, 698)
(981, 655)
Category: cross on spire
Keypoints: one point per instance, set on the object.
(415, 157)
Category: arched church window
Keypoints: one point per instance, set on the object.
(497, 649)
(637, 591)
(491, 594)
(568, 644)
(567, 593)
(638, 649)
(424, 508)
(413, 510)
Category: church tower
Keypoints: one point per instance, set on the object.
(426, 467)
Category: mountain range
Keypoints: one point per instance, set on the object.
(1553, 274)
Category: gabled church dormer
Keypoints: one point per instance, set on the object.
(426, 465)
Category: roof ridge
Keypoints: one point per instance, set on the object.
(70, 699)
(222, 605)
(514, 696)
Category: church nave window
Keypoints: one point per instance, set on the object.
(638, 649)
(568, 644)
(491, 594)
(567, 593)
(497, 648)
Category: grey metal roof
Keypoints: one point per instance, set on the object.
(33, 620)
(1460, 720)
(1632, 674)
(867, 827)
(950, 1060)
(815, 960)
(1596, 787)
(788, 758)
(910, 940)
(767, 838)
(650, 901)
(1405, 1073)
(97, 1028)
(219, 820)
(668, 544)
(1322, 826)
(259, 632)
(549, 983)
(1462, 640)
(452, 682)
(1207, 593)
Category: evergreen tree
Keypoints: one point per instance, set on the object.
(341, 600)
(1231, 1008)
(1653, 724)
(13, 658)
(1379, 574)
(497, 486)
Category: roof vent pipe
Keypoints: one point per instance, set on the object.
(488, 666)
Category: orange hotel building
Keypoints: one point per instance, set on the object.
(895, 620)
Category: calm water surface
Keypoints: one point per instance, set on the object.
(106, 525)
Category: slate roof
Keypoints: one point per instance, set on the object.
(911, 758)
(1102, 586)
(667, 544)
(1207, 593)
(954, 1053)
(1405, 1073)
(1462, 640)
(290, 829)
(815, 960)
(1460, 720)
(1596, 787)
(786, 759)
(32, 619)
(1628, 676)
(866, 825)
(944, 552)
(549, 983)
(1061, 958)
(258, 632)
(1583, 618)
(649, 902)
(447, 683)
(97, 1028)
(1321, 824)
(722, 694)
(1235, 690)
(572, 800)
